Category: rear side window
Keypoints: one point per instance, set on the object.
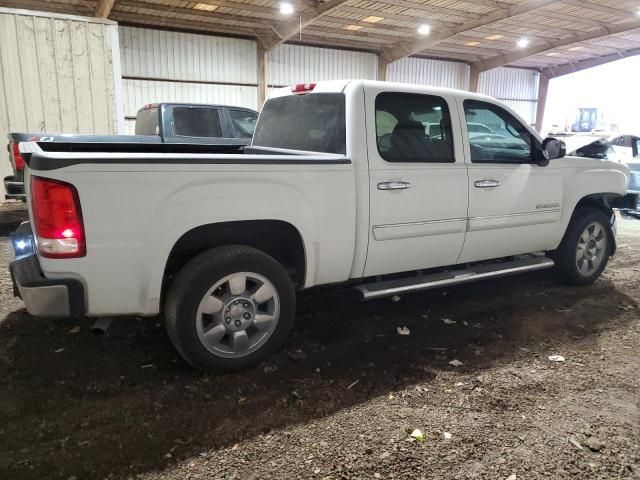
(244, 123)
(147, 122)
(413, 128)
(313, 122)
(196, 122)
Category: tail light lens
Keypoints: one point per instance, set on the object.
(18, 161)
(57, 218)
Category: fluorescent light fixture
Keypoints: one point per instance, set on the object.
(205, 7)
(552, 54)
(286, 8)
(472, 44)
(354, 28)
(523, 42)
(372, 19)
(494, 37)
(574, 49)
(424, 29)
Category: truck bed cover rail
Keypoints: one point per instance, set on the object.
(41, 157)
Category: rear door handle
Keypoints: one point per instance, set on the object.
(487, 183)
(394, 185)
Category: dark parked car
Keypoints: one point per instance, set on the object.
(158, 123)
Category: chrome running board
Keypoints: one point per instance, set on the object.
(371, 291)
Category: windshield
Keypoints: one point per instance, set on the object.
(313, 122)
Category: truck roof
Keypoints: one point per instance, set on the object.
(214, 105)
(337, 86)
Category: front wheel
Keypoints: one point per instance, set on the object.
(230, 308)
(585, 248)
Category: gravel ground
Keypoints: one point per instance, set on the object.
(341, 400)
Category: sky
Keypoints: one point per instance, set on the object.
(613, 88)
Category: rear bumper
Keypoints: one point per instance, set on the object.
(44, 297)
(14, 188)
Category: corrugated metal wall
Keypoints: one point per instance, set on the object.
(426, 71)
(165, 66)
(58, 73)
(291, 64)
(516, 87)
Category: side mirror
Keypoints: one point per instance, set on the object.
(554, 148)
(551, 148)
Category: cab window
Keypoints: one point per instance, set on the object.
(496, 136)
(413, 128)
(196, 122)
(244, 123)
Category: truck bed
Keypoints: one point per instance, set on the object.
(136, 206)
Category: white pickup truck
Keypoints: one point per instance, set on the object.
(346, 181)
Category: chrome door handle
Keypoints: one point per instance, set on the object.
(487, 183)
(394, 185)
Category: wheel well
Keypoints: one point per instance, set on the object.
(278, 239)
(599, 201)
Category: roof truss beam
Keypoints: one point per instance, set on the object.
(289, 29)
(104, 8)
(598, 8)
(573, 67)
(501, 60)
(405, 49)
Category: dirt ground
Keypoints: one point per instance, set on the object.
(341, 400)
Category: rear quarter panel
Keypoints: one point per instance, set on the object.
(134, 214)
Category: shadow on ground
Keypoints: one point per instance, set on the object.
(75, 404)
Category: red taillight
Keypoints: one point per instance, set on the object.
(18, 161)
(303, 87)
(57, 218)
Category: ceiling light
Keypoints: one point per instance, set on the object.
(523, 43)
(552, 54)
(573, 49)
(286, 8)
(424, 29)
(206, 7)
(472, 44)
(372, 19)
(355, 28)
(494, 37)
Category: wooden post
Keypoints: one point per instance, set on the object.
(543, 88)
(382, 69)
(263, 89)
(474, 75)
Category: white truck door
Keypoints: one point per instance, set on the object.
(515, 205)
(417, 181)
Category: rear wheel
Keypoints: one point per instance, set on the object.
(230, 308)
(585, 248)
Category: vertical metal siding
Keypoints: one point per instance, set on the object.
(169, 55)
(291, 64)
(517, 87)
(57, 74)
(425, 71)
(164, 66)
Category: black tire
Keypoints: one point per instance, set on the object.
(197, 277)
(565, 255)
